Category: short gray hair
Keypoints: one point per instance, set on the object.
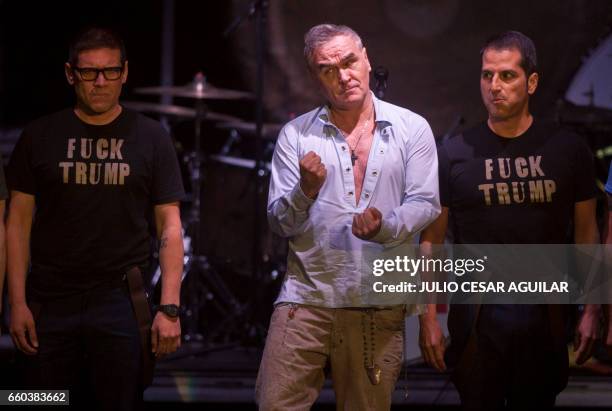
(323, 33)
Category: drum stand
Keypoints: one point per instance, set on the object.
(256, 9)
(203, 285)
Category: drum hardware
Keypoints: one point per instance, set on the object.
(199, 89)
(239, 162)
(202, 283)
(257, 9)
(233, 138)
(206, 295)
(175, 111)
(200, 275)
(269, 130)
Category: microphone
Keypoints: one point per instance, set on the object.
(380, 76)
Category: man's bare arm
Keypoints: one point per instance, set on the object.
(431, 338)
(18, 229)
(586, 232)
(166, 331)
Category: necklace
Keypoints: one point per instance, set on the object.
(361, 133)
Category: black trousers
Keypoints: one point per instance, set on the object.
(88, 344)
(515, 365)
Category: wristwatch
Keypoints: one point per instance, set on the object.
(171, 310)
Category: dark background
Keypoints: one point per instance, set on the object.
(431, 48)
(35, 38)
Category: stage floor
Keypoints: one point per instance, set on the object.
(227, 376)
(224, 379)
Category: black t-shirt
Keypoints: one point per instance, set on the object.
(3, 187)
(518, 190)
(95, 188)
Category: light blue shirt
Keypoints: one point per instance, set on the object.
(325, 263)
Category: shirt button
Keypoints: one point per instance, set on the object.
(350, 193)
(343, 148)
(348, 169)
(374, 173)
(367, 195)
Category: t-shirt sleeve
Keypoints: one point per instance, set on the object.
(167, 181)
(444, 176)
(3, 188)
(585, 186)
(20, 174)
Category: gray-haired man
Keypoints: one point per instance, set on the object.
(354, 176)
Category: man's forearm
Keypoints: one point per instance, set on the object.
(586, 232)
(288, 213)
(171, 263)
(421, 203)
(17, 265)
(430, 314)
(587, 236)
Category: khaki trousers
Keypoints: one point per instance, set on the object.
(303, 339)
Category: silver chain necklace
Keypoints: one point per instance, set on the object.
(361, 133)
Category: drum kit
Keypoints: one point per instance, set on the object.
(212, 309)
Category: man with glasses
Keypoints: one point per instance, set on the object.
(86, 185)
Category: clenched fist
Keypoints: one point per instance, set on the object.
(312, 174)
(367, 224)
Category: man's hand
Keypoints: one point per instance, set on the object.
(432, 341)
(23, 331)
(165, 334)
(586, 333)
(312, 174)
(367, 224)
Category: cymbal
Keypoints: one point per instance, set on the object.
(196, 90)
(238, 161)
(175, 111)
(268, 131)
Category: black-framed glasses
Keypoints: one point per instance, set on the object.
(92, 73)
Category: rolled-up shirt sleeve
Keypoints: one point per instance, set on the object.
(287, 204)
(421, 200)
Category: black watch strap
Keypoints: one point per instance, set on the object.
(171, 310)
